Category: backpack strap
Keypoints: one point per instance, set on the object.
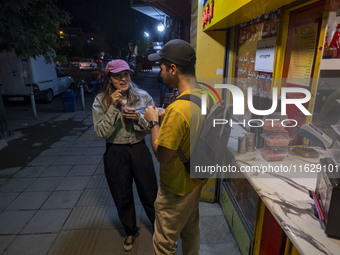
(195, 99)
(183, 158)
(191, 98)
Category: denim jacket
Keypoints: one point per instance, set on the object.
(111, 124)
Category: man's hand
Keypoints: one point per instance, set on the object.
(161, 113)
(151, 114)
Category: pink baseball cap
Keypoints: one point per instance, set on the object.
(116, 66)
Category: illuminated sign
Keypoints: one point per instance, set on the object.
(208, 14)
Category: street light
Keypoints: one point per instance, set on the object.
(160, 27)
(146, 34)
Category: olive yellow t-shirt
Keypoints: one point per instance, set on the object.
(182, 123)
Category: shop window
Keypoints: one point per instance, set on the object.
(325, 114)
(247, 73)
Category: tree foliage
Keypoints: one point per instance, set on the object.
(31, 27)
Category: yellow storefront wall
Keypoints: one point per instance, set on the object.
(210, 50)
(228, 13)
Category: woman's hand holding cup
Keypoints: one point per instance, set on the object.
(130, 113)
(116, 96)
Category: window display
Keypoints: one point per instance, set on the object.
(254, 36)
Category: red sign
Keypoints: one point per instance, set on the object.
(208, 14)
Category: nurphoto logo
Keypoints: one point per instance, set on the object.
(239, 100)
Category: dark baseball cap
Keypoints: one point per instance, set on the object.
(176, 51)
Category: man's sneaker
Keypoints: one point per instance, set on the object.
(129, 242)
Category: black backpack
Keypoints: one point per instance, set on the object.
(211, 146)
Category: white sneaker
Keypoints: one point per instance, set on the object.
(129, 242)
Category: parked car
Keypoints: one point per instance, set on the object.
(74, 62)
(19, 77)
(87, 63)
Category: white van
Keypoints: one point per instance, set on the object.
(18, 77)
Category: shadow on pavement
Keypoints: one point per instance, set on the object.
(33, 140)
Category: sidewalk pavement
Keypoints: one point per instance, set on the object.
(58, 202)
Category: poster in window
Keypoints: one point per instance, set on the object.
(302, 54)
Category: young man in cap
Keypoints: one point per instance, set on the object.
(176, 205)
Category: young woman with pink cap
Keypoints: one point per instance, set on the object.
(118, 117)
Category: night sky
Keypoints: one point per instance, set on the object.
(111, 18)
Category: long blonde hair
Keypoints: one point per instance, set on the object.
(108, 89)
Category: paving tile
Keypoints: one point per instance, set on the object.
(44, 184)
(73, 151)
(110, 242)
(81, 170)
(5, 242)
(85, 218)
(74, 183)
(210, 209)
(76, 242)
(29, 201)
(111, 219)
(43, 160)
(214, 229)
(69, 138)
(219, 248)
(179, 247)
(95, 197)
(52, 171)
(11, 222)
(31, 244)
(30, 172)
(145, 245)
(94, 151)
(62, 144)
(88, 137)
(90, 132)
(111, 203)
(65, 160)
(16, 185)
(98, 143)
(90, 159)
(81, 144)
(6, 199)
(53, 152)
(62, 200)
(98, 181)
(100, 169)
(9, 172)
(46, 221)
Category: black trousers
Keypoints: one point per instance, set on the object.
(124, 163)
